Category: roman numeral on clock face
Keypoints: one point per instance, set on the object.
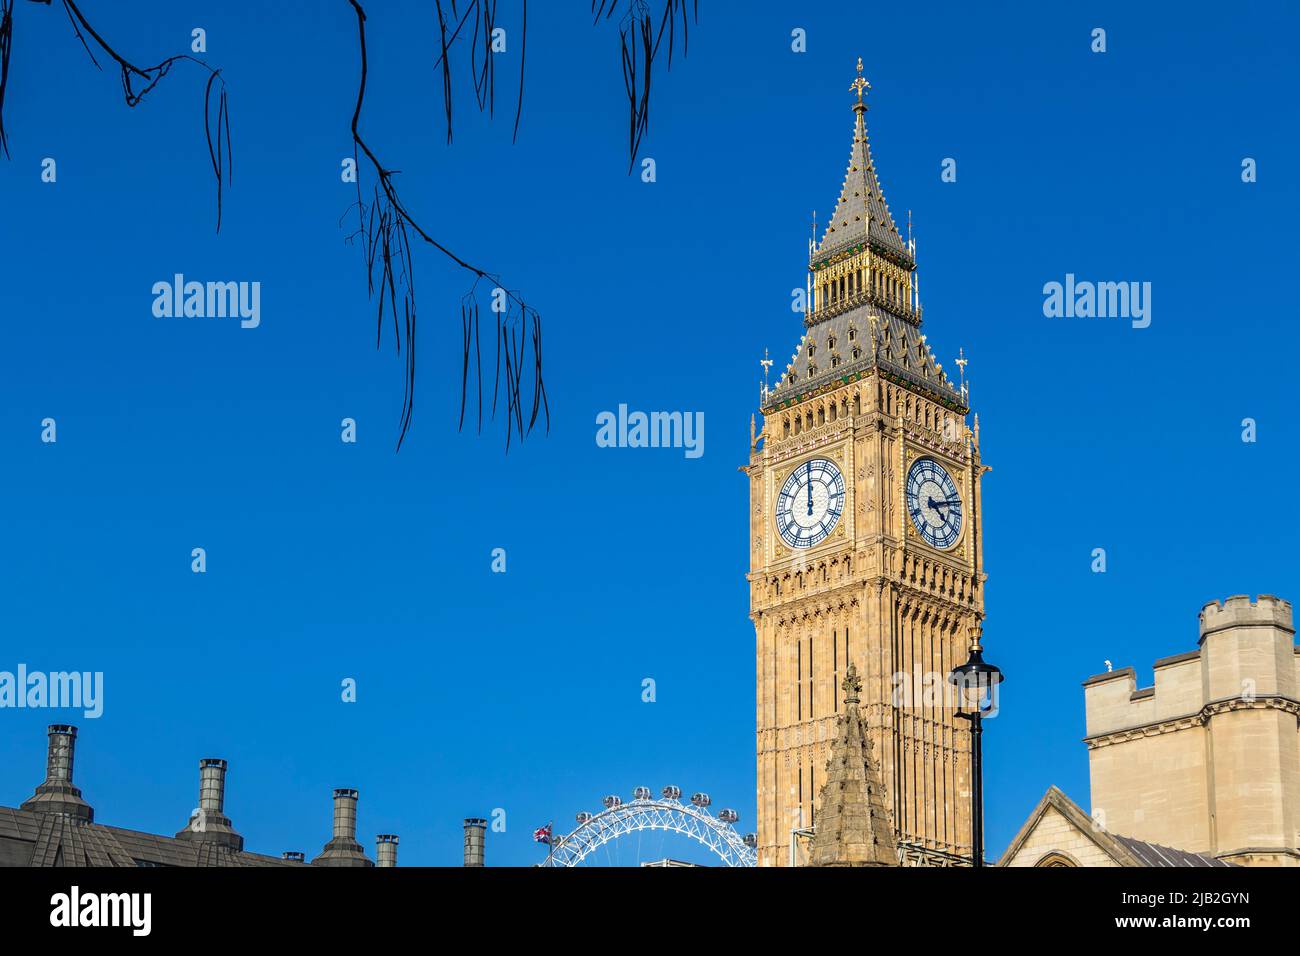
(933, 503)
(810, 503)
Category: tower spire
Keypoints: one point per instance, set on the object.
(861, 209)
(853, 827)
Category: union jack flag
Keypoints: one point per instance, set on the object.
(543, 835)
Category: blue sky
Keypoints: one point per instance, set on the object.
(522, 691)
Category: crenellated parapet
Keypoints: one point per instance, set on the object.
(1240, 611)
(1207, 758)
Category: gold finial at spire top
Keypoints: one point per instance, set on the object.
(860, 84)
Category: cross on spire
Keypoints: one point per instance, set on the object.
(860, 84)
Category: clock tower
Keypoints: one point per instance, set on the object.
(865, 540)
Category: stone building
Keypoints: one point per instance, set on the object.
(1204, 763)
(56, 827)
(1058, 833)
(865, 538)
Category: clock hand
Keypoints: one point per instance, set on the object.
(810, 489)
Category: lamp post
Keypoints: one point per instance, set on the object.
(977, 678)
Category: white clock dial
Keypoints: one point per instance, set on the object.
(810, 503)
(934, 503)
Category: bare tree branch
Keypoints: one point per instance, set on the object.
(385, 229)
(639, 43)
(483, 13)
(137, 81)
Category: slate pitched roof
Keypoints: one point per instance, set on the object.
(1125, 851)
(32, 838)
(901, 350)
(863, 332)
(861, 211)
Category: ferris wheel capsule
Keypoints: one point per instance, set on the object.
(751, 840)
(582, 817)
(701, 799)
(728, 816)
(612, 801)
(641, 793)
(672, 793)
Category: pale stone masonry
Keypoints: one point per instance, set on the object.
(866, 401)
(1208, 759)
(1059, 834)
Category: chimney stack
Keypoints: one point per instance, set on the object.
(343, 848)
(208, 823)
(57, 794)
(345, 815)
(294, 856)
(386, 849)
(212, 784)
(475, 837)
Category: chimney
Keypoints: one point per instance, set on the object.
(57, 794)
(386, 849)
(294, 856)
(345, 815)
(212, 784)
(343, 848)
(208, 823)
(475, 836)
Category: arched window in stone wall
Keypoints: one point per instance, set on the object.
(1056, 858)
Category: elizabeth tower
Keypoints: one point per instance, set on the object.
(865, 539)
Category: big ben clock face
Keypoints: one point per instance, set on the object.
(933, 503)
(810, 503)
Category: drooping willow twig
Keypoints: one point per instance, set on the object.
(6, 44)
(386, 229)
(137, 81)
(639, 39)
(640, 47)
(483, 15)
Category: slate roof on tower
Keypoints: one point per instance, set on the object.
(864, 330)
(861, 211)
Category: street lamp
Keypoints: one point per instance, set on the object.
(978, 679)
